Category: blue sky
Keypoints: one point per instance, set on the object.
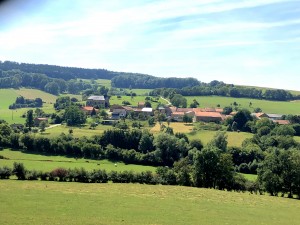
(253, 42)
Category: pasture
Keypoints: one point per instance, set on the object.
(266, 106)
(8, 96)
(77, 131)
(47, 163)
(234, 138)
(44, 202)
(134, 101)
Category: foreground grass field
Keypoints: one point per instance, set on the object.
(37, 202)
(266, 106)
(48, 163)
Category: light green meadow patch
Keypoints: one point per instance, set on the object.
(48, 163)
(44, 202)
(77, 131)
(266, 106)
(134, 100)
(233, 138)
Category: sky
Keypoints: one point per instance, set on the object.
(248, 42)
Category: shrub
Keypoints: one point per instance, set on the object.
(5, 172)
(99, 176)
(59, 173)
(19, 170)
(32, 175)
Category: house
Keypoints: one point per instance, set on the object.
(37, 121)
(282, 122)
(118, 114)
(161, 110)
(88, 110)
(178, 115)
(98, 101)
(209, 117)
(141, 105)
(259, 115)
(147, 111)
(274, 116)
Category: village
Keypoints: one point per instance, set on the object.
(169, 112)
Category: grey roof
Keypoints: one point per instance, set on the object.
(97, 98)
(274, 115)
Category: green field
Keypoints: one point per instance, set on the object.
(44, 202)
(234, 138)
(48, 163)
(266, 106)
(133, 101)
(294, 92)
(8, 97)
(77, 131)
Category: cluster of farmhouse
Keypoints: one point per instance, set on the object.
(176, 114)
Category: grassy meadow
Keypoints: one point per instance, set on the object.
(44, 202)
(133, 101)
(8, 97)
(266, 106)
(47, 163)
(234, 138)
(77, 131)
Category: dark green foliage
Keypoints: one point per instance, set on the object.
(74, 116)
(213, 169)
(241, 118)
(223, 89)
(5, 172)
(29, 119)
(179, 101)
(21, 102)
(150, 82)
(227, 110)
(65, 73)
(19, 170)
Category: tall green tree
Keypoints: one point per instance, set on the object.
(74, 116)
(29, 119)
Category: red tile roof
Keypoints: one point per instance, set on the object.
(89, 108)
(209, 114)
(282, 122)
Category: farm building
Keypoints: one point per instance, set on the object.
(209, 117)
(88, 110)
(97, 101)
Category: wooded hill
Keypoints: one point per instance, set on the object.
(59, 79)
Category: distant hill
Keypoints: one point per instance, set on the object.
(119, 79)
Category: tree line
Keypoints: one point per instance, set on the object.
(18, 78)
(22, 102)
(221, 89)
(151, 82)
(59, 72)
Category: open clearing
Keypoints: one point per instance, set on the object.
(266, 106)
(234, 138)
(38, 202)
(8, 97)
(134, 101)
(48, 163)
(77, 131)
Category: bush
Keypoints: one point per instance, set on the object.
(32, 175)
(5, 172)
(19, 170)
(99, 176)
(59, 173)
